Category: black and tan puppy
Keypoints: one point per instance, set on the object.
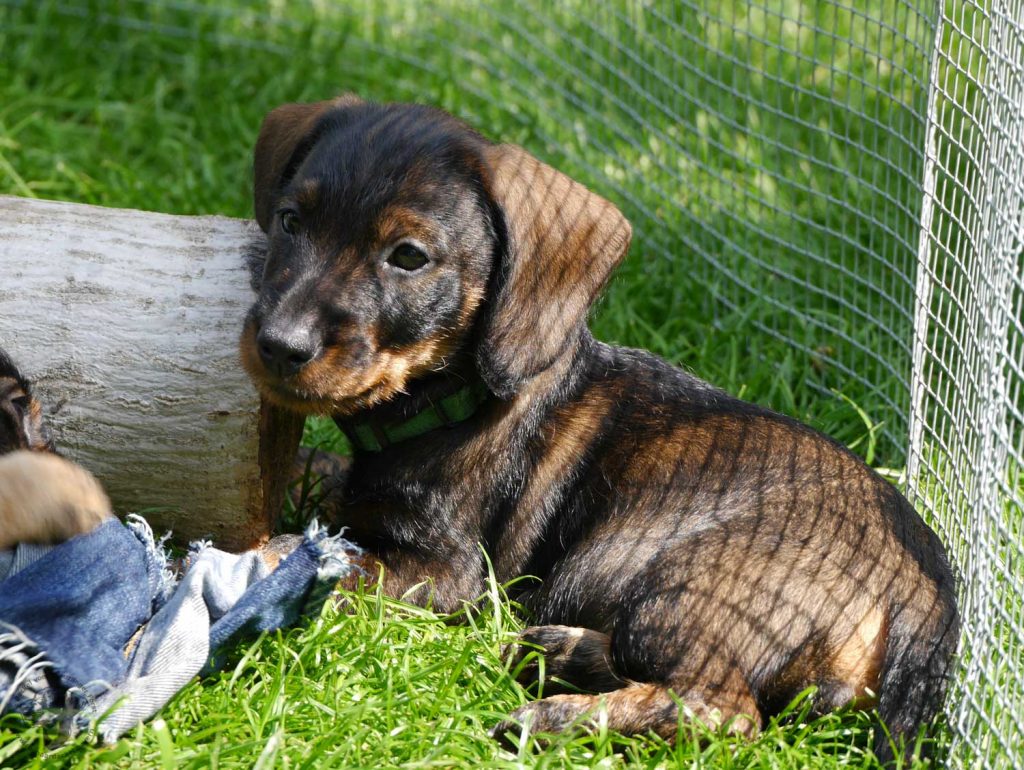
(43, 498)
(429, 289)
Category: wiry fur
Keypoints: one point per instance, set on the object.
(716, 552)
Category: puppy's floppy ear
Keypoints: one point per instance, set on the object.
(40, 438)
(23, 417)
(561, 244)
(284, 129)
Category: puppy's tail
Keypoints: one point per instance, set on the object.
(918, 664)
(47, 499)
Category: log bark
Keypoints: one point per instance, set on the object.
(128, 323)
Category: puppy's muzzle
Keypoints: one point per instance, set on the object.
(286, 349)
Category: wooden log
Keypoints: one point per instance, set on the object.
(128, 324)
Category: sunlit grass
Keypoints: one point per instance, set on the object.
(378, 683)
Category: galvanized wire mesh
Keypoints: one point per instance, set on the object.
(846, 177)
(966, 420)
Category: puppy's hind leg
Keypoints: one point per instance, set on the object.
(574, 659)
(632, 710)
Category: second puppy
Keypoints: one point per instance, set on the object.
(43, 498)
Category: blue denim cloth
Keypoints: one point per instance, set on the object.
(63, 642)
(78, 604)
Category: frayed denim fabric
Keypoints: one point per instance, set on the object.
(68, 614)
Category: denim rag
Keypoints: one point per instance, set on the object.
(115, 644)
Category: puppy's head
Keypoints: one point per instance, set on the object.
(21, 416)
(397, 237)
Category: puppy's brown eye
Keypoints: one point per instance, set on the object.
(408, 257)
(289, 222)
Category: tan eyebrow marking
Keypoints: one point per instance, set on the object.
(397, 222)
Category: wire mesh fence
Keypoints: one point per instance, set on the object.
(844, 180)
(965, 419)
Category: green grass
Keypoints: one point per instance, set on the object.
(382, 684)
(751, 190)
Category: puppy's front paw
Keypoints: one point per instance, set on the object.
(279, 549)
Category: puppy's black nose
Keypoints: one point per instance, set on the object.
(286, 351)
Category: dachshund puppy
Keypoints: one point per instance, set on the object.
(429, 289)
(43, 498)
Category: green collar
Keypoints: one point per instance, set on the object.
(374, 436)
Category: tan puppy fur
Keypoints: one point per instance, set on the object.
(46, 499)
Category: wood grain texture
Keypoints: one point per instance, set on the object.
(128, 324)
